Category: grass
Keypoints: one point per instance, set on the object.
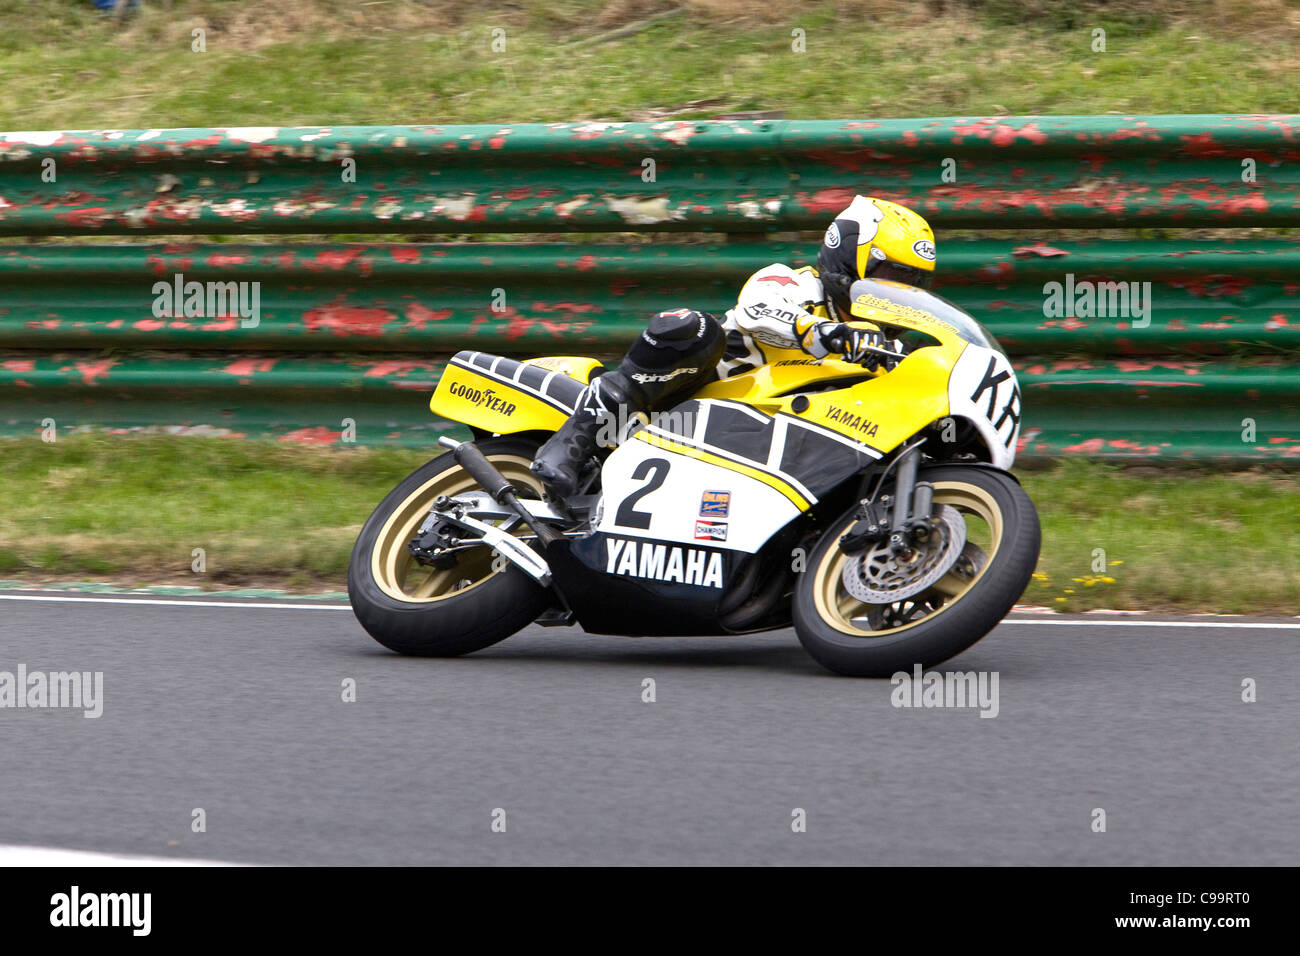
(1160, 538)
(303, 63)
(133, 510)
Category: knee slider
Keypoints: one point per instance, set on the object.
(672, 335)
(676, 325)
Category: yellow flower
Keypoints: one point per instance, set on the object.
(1109, 580)
(1060, 599)
(1113, 563)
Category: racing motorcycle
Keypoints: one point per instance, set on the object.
(870, 505)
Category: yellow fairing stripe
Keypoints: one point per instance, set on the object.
(772, 481)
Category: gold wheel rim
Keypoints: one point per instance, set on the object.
(398, 575)
(837, 607)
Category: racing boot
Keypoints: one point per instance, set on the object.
(675, 354)
(566, 462)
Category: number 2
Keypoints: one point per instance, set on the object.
(628, 516)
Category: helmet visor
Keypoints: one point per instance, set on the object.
(896, 271)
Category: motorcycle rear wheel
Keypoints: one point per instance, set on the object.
(856, 639)
(426, 612)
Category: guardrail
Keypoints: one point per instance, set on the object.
(686, 176)
(1117, 408)
(343, 327)
(421, 297)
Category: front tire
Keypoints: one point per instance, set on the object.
(425, 612)
(868, 640)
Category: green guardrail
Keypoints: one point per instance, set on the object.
(1231, 297)
(969, 172)
(355, 332)
(1119, 408)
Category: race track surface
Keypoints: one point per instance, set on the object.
(238, 710)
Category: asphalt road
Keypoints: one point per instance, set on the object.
(239, 711)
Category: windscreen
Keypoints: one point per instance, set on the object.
(913, 298)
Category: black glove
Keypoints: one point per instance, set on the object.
(855, 345)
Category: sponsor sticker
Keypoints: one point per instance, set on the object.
(761, 310)
(710, 531)
(768, 337)
(924, 248)
(849, 420)
(666, 377)
(832, 238)
(664, 562)
(715, 504)
(487, 398)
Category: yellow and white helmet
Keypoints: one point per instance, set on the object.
(875, 239)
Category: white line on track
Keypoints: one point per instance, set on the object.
(49, 856)
(1267, 625)
(260, 605)
(273, 606)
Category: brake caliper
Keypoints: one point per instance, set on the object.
(871, 525)
(433, 543)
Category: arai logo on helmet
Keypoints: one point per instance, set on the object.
(924, 248)
(832, 239)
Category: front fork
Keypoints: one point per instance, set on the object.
(912, 503)
(904, 517)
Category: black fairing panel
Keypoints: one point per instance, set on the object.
(629, 603)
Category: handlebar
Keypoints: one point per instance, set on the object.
(893, 357)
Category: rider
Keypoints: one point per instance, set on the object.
(682, 350)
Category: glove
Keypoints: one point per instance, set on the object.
(837, 338)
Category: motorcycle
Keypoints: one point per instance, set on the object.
(870, 505)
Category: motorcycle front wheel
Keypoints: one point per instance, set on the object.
(858, 638)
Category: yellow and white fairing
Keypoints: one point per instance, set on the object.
(789, 438)
(657, 489)
(503, 396)
(769, 442)
(960, 374)
(976, 378)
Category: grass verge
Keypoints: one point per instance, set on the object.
(305, 62)
(133, 510)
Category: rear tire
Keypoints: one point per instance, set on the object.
(824, 612)
(428, 613)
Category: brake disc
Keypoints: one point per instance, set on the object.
(877, 576)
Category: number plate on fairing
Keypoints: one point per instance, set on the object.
(983, 389)
(667, 495)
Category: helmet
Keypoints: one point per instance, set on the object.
(874, 239)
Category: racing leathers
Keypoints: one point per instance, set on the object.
(682, 350)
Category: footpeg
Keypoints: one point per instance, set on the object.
(497, 485)
(555, 617)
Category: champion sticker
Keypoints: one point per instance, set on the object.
(710, 531)
(924, 248)
(715, 504)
